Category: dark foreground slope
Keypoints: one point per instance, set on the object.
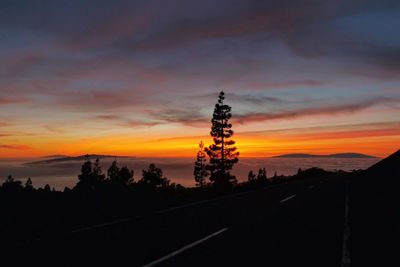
(375, 214)
(299, 223)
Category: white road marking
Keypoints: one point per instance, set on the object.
(177, 252)
(288, 198)
(98, 226)
(311, 186)
(102, 225)
(346, 260)
(203, 202)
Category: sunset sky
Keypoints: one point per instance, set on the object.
(141, 78)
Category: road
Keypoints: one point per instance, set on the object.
(295, 224)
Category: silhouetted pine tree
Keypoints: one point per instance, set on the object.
(262, 175)
(86, 176)
(125, 176)
(251, 177)
(154, 177)
(91, 176)
(119, 176)
(222, 153)
(200, 171)
(97, 172)
(29, 184)
(113, 171)
(47, 188)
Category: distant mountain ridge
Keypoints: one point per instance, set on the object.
(337, 155)
(76, 158)
(54, 156)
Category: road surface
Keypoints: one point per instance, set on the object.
(295, 224)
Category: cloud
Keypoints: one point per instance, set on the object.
(87, 100)
(123, 121)
(140, 123)
(107, 117)
(188, 117)
(4, 124)
(314, 111)
(245, 98)
(16, 147)
(191, 117)
(285, 84)
(7, 101)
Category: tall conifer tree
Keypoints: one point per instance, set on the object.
(222, 153)
(200, 171)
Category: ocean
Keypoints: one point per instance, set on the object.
(178, 170)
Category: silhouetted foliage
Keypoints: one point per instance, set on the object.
(299, 171)
(125, 176)
(113, 171)
(47, 188)
(29, 184)
(262, 175)
(222, 153)
(251, 177)
(119, 176)
(154, 177)
(312, 172)
(97, 172)
(66, 189)
(11, 185)
(200, 171)
(260, 178)
(91, 176)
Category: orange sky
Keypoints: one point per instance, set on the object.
(379, 139)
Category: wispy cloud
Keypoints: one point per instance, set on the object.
(314, 111)
(123, 121)
(195, 118)
(5, 101)
(16, 147)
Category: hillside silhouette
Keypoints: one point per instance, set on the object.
(388, 167)
(374, 208)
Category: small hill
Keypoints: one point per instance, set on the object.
(62, 159)
(338, 155)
